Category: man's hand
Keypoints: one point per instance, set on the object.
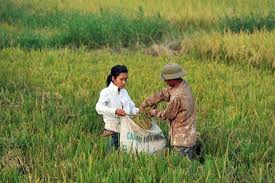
(142, 107)
(153, 112)
(120, 112)
(141, 110)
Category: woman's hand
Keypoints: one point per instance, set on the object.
(120, 112)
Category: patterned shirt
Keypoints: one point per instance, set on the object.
(180, 111)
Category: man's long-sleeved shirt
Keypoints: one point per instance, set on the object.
(180, 111)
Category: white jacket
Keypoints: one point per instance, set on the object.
(111, 99)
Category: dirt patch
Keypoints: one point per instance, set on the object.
(14, 160)
(175, 46)
(159, 50)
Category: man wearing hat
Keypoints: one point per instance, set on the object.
(180, 110)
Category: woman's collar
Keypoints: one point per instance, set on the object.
(114, 88)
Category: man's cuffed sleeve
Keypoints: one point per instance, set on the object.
(171, 110)
(156, 98)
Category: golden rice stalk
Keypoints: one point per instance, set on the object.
(143, 121)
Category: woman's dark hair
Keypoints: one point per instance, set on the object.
(115, 71)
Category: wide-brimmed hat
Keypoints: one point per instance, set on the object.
(172, 71)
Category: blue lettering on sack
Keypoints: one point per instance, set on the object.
(144, 139)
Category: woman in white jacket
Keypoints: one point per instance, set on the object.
(114, 102)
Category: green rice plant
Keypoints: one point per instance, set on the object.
(5, 39)
(115, 30)
(48, 92)
(250, 23)
(24, 15)
(95, 30)
(47, 101)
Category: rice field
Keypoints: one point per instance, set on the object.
(56, 55)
